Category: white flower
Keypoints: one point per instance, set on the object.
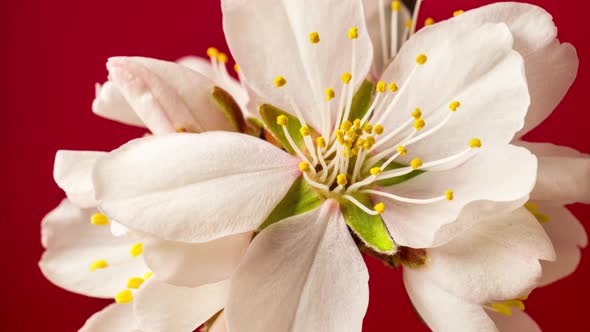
(472, 94)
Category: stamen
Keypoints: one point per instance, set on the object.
(212, 52)
(392, 87)
(136, 249)
(284, 121)
(280, 81)
(458, 12)
(304, 167)
(99, 219)
(429, 21)
(379, 207)
(123, 297)
(315, 184)
(305, 131)
(353, 33)
(330, 94)
(147, 275)
(395, 9)
(341, 179)
(314, 38)
(405, 199)
(237, 69)
(416, 163)
(135, 282)
(99, 264)
(415, 16)
(360, 205)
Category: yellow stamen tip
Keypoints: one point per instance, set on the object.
(392, 87)
(421, 59)
(123, 297)
(357, 123)
(237, 68)
(305, 131)
(136, 249)
(475, 143)
(147, 275)
(353, 33)
(212, 52)
(378, 129)
(416, 163)
(419, 124)
(330, 94)
(379, 207)
(449, 195)
(409, 23)
(282, 120)
(341, 179)
(321, 142)
(532, 207)
(280, 81)
(346, 77)
(99, 219)
(346, 125)
(402, 150)
(381, 86)
(458, 12)
(134, 282)
(417, 113)
(368, 128)
(454, 106)
(502, 309)
(314, 37)
(222, 57)
(376, 170)
(396, 5)
(304, 166)
(99, 264)
(429, 21)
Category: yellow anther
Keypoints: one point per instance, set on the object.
(134, 282)
(367, 145)
(282, 120)
(321, 142)
(379, 207)
(378, 129)
(416, 163)
(475, 143)
(421, 59)
(417, 113)
(449, 195)
(402, 150)
(181, 130)
(376, 170)
(458, 12)
(222, 57)
(314, 37)
(419, 124)
(136, 249)
(381, 86)
(330, 94)
(147, 275)
(340, 136)
(502, 309)
(304, 166)
(396, 5)
(346, 125)
(123, 297)
(346, 77)
(355, 150)
(212, 52)
(237, 68)
(351, 134)
(280, 81)
(409, 23)
(99, 264)
(371, 140)
(305, 131)
(392, 87)
(99, 219)
(429, 21)
(357, 123)
(532, 207)
(515, 304)
(353, 33)
(454, 106)
(341, 179)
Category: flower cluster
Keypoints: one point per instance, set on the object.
(249, 204)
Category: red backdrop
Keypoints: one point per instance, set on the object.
(53, 52)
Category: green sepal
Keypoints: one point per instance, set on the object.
(397, 179)
(361, 101)
(370, 229)
(230, 107)
(300, 198)
(269, 114)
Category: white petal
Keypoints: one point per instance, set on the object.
(113, 318)
(519, 321)
(442, 311)
(472, 64)
(546, 60)
(72, 171)
(167, 96)
(110, 104)
(374, 28)
(195, 264)
(198, 64)
(162, 307)
(72, 244)
(497, 259)
(568, 237)
(270, 38)
(304, 273)
(496, 174)
(563, 176)
(194, 187)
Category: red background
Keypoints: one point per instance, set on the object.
(52, 53)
